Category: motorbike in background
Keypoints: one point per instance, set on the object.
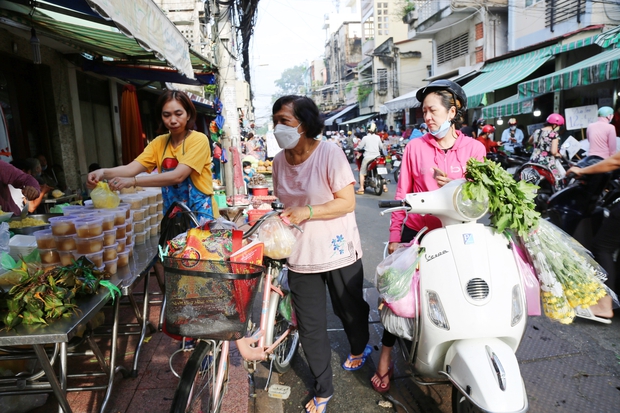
(396, 155)
(377, 169)
(471, 310)
(348, 151)
(510, 162)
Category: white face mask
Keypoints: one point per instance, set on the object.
(286, 136)
(247, 170)
(513, 127)
(443, 129)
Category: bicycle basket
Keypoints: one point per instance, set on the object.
(209, 299)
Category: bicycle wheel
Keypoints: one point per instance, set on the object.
(276, 326)
(198, 389)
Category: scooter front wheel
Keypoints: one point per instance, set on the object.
(378, 185)
(461, 404)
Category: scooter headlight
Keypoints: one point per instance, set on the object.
(470, 209)
(435, 310)
(517, 307)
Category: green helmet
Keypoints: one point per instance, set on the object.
(605, 111)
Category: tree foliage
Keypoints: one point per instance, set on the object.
(291, 82)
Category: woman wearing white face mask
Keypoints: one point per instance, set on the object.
(314, 181)
(428, 163)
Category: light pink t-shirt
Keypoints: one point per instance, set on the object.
(325, 244)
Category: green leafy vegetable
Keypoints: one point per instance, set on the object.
(511, 203)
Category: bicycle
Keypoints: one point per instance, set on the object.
(203, 382)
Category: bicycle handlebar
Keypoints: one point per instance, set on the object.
(391, 204)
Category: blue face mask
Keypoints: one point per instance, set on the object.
(443, 129)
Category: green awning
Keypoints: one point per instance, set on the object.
(562, 48)
(100, 42)
(504, 73)
(608, 38)
(359, 119)
(509, 107)
(599, 68)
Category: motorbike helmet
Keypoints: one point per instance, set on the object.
(481, 122)
(555, 119)
(488, 129)
(443, 84)
(605, 111)
(512, 121)
(423, 126)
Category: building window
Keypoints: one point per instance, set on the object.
(382, 80)
(452, 49)
(369, 29)
(558, 11)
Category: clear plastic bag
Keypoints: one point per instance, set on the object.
(394, 274)
(103, 197)
(277, 237)
(399, 326)
(5, 237)
(569, 276)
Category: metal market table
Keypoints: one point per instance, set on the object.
(62, 330)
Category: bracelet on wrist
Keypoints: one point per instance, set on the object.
(311, 211)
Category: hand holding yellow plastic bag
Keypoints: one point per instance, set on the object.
(103, 197)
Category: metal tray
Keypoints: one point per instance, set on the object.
(32, 230)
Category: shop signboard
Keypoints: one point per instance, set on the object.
(580, 117)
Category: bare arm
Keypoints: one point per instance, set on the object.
(175, 177)
(342, 204)
(130, 170)
(606, 165)
(554, 147)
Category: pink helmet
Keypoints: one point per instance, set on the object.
(555, 119)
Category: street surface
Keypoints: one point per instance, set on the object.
(574, 368)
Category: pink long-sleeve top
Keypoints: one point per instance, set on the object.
(602, 138)
(10, 175)
(417, 174)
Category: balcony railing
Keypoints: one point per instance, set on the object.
(428, 8)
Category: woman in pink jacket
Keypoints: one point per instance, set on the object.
(428, 163)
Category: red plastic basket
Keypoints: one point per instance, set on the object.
(209, 299)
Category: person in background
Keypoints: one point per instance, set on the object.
(546, 145)
(373, 147)
(392, 132)
(217, 155)
(314, 180)
(602, 134)
(10, 175)
(33, 167)
(512, 138)
(486, 138)
(383, 135)
(479, 125)
(47, 174)
(416, 133)
(616, 119)
(467, 130)
(428, 163)
(248, 172)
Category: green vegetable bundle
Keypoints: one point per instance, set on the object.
(41, 296)
(511, 203)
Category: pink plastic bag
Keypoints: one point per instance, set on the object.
(408, 305)
(530, 282)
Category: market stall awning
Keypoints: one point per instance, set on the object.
(504, 73)
(158, 74)
(359, 119)
(598, 68)
(144, 21)
(406, 101)
(608, 38)
(509, 107)
(330, 121)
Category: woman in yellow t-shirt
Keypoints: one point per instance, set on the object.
(182, 157)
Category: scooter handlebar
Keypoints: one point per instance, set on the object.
(391, 204)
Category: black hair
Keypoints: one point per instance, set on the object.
(93, 167)
(246, 163)
(305, 111)
(184, 100)
(447, 101)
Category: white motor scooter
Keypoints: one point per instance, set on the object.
(472, 310)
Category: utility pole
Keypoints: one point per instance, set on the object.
(226, 80)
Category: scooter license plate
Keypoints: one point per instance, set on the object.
(382, 171)
(396, 163)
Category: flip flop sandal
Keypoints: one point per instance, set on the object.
(383, 388)
(318, 405)
(360, 192)
(587, 314)
(363, 357)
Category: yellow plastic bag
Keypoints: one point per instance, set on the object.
(103, 197)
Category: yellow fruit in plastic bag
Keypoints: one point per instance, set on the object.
(57, 193)
(103, 197)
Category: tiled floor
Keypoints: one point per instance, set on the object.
(153, 389)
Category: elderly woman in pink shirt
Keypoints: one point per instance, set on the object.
(315, 182)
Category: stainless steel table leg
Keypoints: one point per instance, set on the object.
(145, 321)
(59, 391)
(112, 355)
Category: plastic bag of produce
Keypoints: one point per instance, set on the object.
(277, 237)
(395, 273)
(399, 326)
(103, 197)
